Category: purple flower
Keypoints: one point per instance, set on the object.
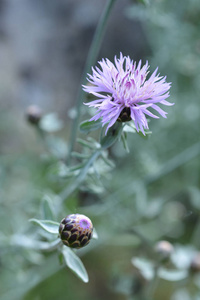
(125, 93)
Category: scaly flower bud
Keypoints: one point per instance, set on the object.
(33, 114)
(164, 249)
(76, 230)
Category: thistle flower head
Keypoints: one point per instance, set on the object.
(124, 93)
(75, 230)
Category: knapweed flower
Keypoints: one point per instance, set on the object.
(125, 93)
(76, 230)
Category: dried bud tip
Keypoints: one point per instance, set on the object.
(76, 230)
(33, 114)
(164, 248)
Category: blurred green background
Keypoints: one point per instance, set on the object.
(155, 188)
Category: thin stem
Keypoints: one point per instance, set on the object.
(75, 184)
(195, 236)
(174, 163)
(92, 56)
(42, 136)
(153, 284)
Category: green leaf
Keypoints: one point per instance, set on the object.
(60, 258)
(79, 155)
(88, 126)
(129, 128)
(124, 141)
(51, 123)
(145, 266)
(147, 133)
(49, 226)
(89, 144)
(145, 2)
(112, 135)
(107, 161)
(182, 256)
(57, 146)
(46, 207)
(75, 264)
(194, 193)
(24, 241)
(95, 234)
(172, 275)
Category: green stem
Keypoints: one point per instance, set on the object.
(195, 236)
(75, 184)
(174, 163)
(92, 56)
(153, 284)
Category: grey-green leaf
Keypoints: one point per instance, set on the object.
(51, 123)
(75, 264)
(147, 134)
(57, 146)
(145, 2)
(112, 135)
(124, 141)
(88, 126)
(95, 234)
(46, 207)
(48, 225)
(145, 266)
(172, 275)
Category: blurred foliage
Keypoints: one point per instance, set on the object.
(153, 193)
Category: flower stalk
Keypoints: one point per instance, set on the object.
(91, 58)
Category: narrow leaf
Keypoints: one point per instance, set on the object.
(51, 123)
(108, 162)
(88, 144)
(124, 141)
(112, 135)
(57, 146)
(172, 275)
(23, 241)
(145, 2)
(49, 226)
(129, 128)
(88, 126)
(46, 207)
(95, 234)
(75, 264)
(145, 266)
(147, 133)
(79, 155)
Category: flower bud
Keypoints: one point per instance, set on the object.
(164, 249)
(76, 230)
(195, 263)
(33, 114)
